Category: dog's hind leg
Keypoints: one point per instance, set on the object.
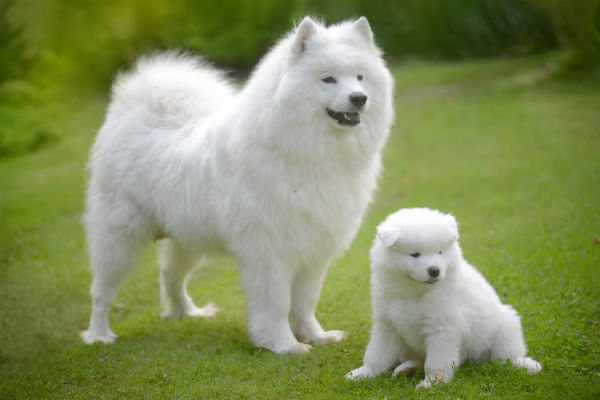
(176, 265)
(305, 295)
(510, 345)
(111, 256)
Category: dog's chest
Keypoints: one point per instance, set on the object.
(301, 206)
(327, 201)
(324, 207)
(408, 321)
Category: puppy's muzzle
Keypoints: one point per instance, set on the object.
(433, 271)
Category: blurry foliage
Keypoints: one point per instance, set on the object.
(12, 46)
(20, 130)
(576, 24)
(49, 48)
(460, 28)
(90, 40)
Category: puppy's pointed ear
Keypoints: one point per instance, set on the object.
(388, 236)
(362, 26)
(304, 31)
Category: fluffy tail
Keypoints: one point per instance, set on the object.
(170, 89)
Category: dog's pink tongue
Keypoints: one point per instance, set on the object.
(351, 116)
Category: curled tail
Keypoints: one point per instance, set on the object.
(170, 89)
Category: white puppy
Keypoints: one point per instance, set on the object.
(431, 308)
(278, 174)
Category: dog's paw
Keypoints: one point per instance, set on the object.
(424, 384)
(90, 337)
(329, 337)
(207, 311)
(360, 373)
(190, 310)
(296, 348)
(532, 366)
(429, 380)
(407, 367)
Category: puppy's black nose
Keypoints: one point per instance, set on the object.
(434, 272)
(358, 98)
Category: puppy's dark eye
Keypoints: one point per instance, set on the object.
(359, 77)
(415, 255)
(329, 79)
(440, 252)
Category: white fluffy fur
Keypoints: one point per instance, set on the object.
(433, 322)
(264, 174)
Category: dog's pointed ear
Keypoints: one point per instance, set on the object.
(451, 225)
(362, 26)
(388, 236)
(304, 31)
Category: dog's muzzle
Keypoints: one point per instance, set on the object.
(350, 118)
(344, 118)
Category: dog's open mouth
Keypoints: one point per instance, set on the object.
(344, 118)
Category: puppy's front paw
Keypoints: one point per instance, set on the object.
(360, 373)
(429, 380)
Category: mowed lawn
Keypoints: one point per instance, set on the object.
(514, 157)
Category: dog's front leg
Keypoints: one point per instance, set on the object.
(442, 357)
(384, 350)
(267, 284)
(306, 289)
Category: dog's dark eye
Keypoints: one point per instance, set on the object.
(440, 252)
(415, 255)
(359, 77)
(329, 79)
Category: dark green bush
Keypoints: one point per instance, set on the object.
(459, 28)
(12, 45)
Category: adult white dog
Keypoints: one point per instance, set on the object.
(278, 175)
(431, 308)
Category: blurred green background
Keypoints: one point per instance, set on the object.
(55, 48)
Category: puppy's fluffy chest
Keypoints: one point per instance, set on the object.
(415, 315)
(408, 319)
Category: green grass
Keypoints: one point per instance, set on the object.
(517, 162)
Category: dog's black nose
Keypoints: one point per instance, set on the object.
(358, 98)
(434, 272)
